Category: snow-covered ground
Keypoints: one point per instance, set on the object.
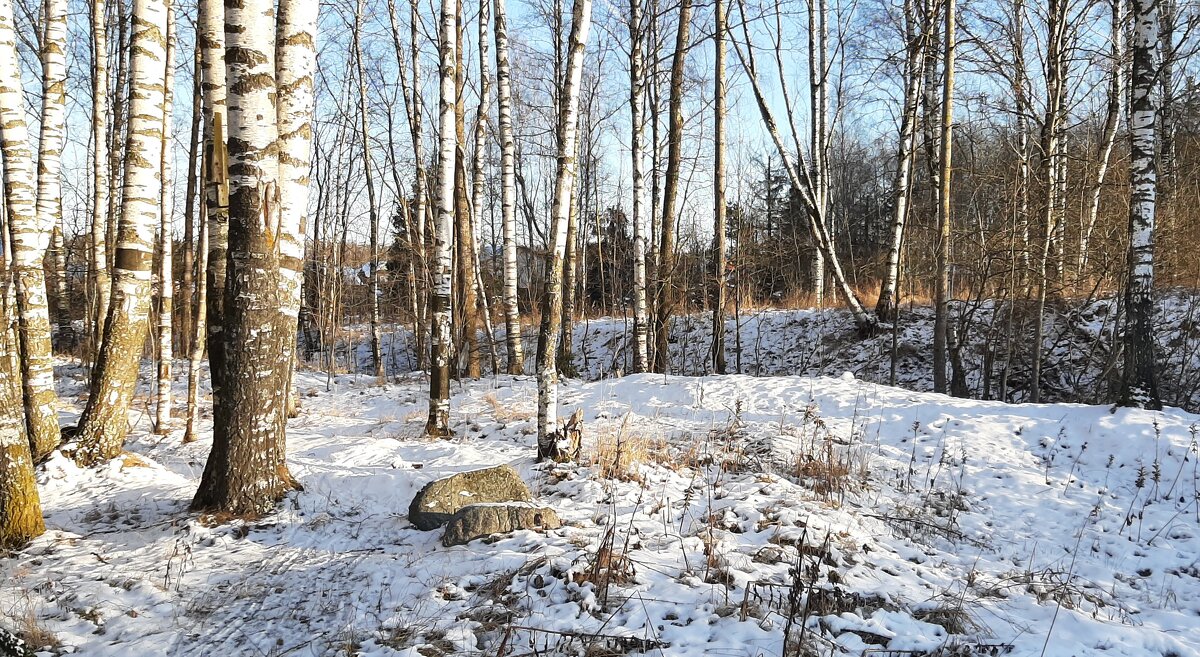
(708, 513)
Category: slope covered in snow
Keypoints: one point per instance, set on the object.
(711, 515)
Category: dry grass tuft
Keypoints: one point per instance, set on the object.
(619, 453)
(131, 460)
(22, 621)
(506, 414)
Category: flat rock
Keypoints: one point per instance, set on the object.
(481, 520)
(434, 505)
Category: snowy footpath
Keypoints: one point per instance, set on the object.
(709, 516)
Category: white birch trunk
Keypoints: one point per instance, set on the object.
(50, 146)
(211, 33)
(508, 194)
(29, 239)
(166, 279)
(443, 232)
(100, 173)
(914, 65)
(1139, 386)
(295, 62)
(637, 92)
(549, 443)
(105, 420)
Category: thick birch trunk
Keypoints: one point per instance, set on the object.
(20, 507)
(29, 240)
(443, 232)
(508, 194)
(211, 34)
(246, 472)
(1139, 385)
(105, 420)
(549, 439)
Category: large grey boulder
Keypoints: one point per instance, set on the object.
(481, 520)
(438, 500)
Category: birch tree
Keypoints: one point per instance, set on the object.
(1051, 143)
(28, 238)
(443, 232)
(210, 26)
(166, 279)
(1139, 384)
(637, 94)
(50, 145)
(105, 419)
(99, 278)
(246, 472)
(295, 65)
(1108, 136)
(508, 194)
(199, 309)
(549, 444)
(914, 65)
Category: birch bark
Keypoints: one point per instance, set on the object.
(166, 279)
(29, 239)
(443, 232)
(914, 65)
(637, 147)
(246, 472)
(295, 61)
(20, 507)
(508, 194)
(99, 278)
(550, 445)
(1139, 385)
(105, 420)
